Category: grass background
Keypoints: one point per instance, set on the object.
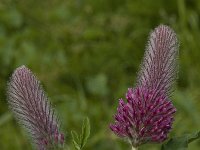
(86, 54)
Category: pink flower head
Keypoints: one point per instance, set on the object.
(147, 116)
(32, 109)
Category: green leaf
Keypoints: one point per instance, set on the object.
(75, 140)
(180, 143)
(85, 132)
(80, 141)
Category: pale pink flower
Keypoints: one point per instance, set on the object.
(32, 109)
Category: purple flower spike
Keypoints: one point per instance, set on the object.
(147, 116)
(32, 109)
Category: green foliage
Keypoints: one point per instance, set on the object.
(79, 141)
(86, 53)
(181, 143)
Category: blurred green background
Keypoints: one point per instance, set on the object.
(86, 54)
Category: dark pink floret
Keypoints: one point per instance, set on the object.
(146, 117)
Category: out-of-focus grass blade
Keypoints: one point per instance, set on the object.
(5, 118)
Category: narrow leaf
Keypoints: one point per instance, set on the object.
(75, 140)
(85, 132)
(80, 141)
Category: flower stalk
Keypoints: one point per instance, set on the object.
(134, 148)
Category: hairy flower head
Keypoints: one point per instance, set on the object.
(32, 109)
(147, 116)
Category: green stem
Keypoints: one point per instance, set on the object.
(134, 148)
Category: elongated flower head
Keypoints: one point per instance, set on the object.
(147, 114)
(159, 66)
(32, 109)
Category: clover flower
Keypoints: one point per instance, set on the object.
(32, 109)
(148, 114)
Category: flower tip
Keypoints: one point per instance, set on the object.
(23, 67)
(163, 26)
